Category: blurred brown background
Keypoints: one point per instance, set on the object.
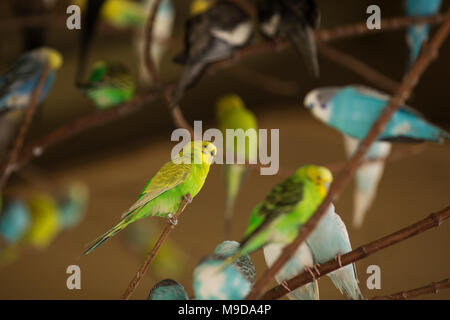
(116, 160)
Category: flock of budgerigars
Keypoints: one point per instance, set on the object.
(214, 31)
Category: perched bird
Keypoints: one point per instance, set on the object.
(417, 35)
(210, 36)
(288, 205)
(213, 282)
(161, 35)
(300, 261)
(45, 220)
(14, 221)
(18, 83)
(231, 113)
(353, 109)
(330, 240)
(162, 196)
(109, 85)
(367, 176)
(168, 289)
(294, 20)
(72, 205)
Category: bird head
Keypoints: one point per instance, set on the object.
(319, 102)
(167, 289)
(50, 56)
(228, 103)
(200, 6)
(320, 176)
(200, 151)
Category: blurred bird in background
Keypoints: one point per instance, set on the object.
(18, 83)
(168, 289)
(417, 35)
(14, 221)
(231, 113)
(72, 204)
(110, 84)
(164, 193)
(293, 20)
(330, 240)
(212, 282)
(210, 36)
(352, 110)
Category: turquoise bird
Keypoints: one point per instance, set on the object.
(72, 205)
(14, 221)
(18, 83)
(330, 240)
(353, 109)
(184, 175)
(367, 176)
(212, 281)
(168, 289)
(301, 260)
(232, 114)
(417, 35)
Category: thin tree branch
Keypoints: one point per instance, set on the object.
(18, 143)
(143, 269)
(358, 67)
(432, 288)
(433, 220)
(402, 93)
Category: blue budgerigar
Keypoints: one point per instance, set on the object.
(212, 281)
(301, 260)
(353, 109)
(417, 35)
(72, 205)
(14, 221)
(367, 176)
(17, 83)
(330, 240)
(168, 289)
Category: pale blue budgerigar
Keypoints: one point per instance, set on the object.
(330, 240)
(417, 35)
(367, 176)
(212, 281)
(14, 221)
(300, 261)
(168, 289)
(18, 83)
(353, 109)
(72, 204)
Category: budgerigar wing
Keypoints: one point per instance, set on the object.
(281, 200)
(23, 70)
(169, 176)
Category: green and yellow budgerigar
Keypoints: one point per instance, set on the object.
(288, 205)
(231, 113)
(162, 196)
(109, 85)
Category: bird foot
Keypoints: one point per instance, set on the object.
(187, 198)
(285, 285)
(308, 269)
(172, 220)
(316, 268)
(338, 258)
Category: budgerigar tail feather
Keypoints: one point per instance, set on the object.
(234, 175)
(367, 179)
(305, 43)
(344, 279)
(113, 231)
(189, 77)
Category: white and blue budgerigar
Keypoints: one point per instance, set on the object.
(330, 240)
(367, 176)
(296, 265)
(18, 83)
(168, 289)
(417, 35)
(213, 281)
(353, 110)
(162, 32)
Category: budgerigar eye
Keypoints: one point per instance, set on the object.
(311, 105)
(323, 106)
